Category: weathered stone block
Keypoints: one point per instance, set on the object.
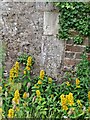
(71, 62)
(44, 6)
(78, 55)
(75, 48)
(51, 55)
(50, 25)
(86, 41)
(69, 54)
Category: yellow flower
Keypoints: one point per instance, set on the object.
(70, 99)
(27, 68)
(77, 81)
(15, 100)
(16, 94)
(63, 102)
(89, 109)
(65, 107)
(42, 73)
(29, 61)
(14, 71)
(62, 96)
(38, 93)
(67, 100)
(25, 95)
(11, 76)
(67, 97)
(10, 113)
(16, 97)
(11, 79)
(49, 80)
(24, 72)
(67, 83)
(1, 111)
(89, 95)
(16, 66)
(39, 82)
(79, 103)
(0, 89)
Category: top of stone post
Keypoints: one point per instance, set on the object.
(45, 6)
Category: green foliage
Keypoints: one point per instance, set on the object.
(87, 49)
(23, 59)
(2, 57)
(42, 99)
(74, 20)
(78, 40)
(83, 68)
(83, 74)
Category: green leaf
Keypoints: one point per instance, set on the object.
(43, 103)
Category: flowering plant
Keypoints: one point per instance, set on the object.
(42, 97)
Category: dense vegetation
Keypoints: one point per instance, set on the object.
(74, 20)
(41, 97)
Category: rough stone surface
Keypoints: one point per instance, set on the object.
(75, 48)
(69, 55)
(50, 23)
(22, 30)
(51, 55)
(44, 6)
(71, 62)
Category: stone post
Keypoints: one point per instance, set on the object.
(51, 47)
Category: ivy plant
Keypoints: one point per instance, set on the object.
(74, 20)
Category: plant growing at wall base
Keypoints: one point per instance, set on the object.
(23, 58)
(41, 97)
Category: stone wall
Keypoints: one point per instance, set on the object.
(32, 28)
(73, 52)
